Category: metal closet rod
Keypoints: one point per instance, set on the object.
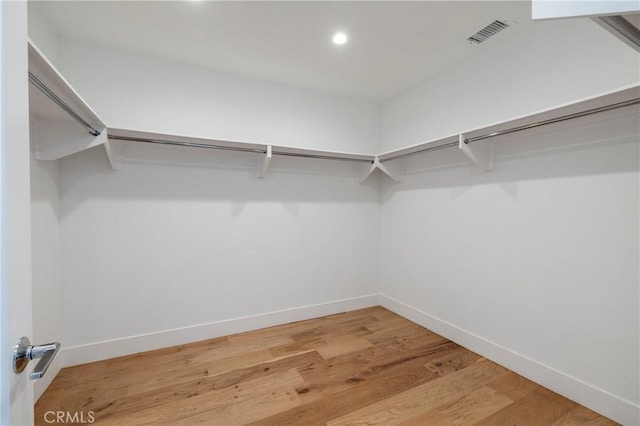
(523, 127)
(233, 148)
(93, 131)
(56, 99)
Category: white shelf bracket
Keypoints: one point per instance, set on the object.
(113, 149)
(392, 169)
(366, 171)
(55, 139)
(480, 152)
(264, 166)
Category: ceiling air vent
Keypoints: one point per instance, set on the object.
(490, 30)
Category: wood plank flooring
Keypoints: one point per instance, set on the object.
(363, 367)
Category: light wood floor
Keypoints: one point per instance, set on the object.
(368, 366)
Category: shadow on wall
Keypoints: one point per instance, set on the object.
(152, 172)
(575, 148)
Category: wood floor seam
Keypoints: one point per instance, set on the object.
(369, 366)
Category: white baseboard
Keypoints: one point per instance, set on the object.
(98, 351)
(601, 401)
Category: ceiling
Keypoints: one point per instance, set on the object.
(392, 45)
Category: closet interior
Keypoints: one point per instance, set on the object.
(494, 202)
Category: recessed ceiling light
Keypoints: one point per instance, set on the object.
(339, 38)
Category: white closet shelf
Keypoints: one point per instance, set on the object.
(312, 153)
(268, 151)
(180, 140)
(65, 124)
(622, 97)
(132, 135)
(42, 71)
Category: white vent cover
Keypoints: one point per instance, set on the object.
(490, 30)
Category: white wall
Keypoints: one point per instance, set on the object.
(45, 261)
(183, 237)
(266, 241)
(41, 34)
(535, 263)
(129, 90)
(555, 62)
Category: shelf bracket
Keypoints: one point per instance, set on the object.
(55, 139)
(264, 166)
(114, 149)
(480, 152)
(366, 171)
(392, 169)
